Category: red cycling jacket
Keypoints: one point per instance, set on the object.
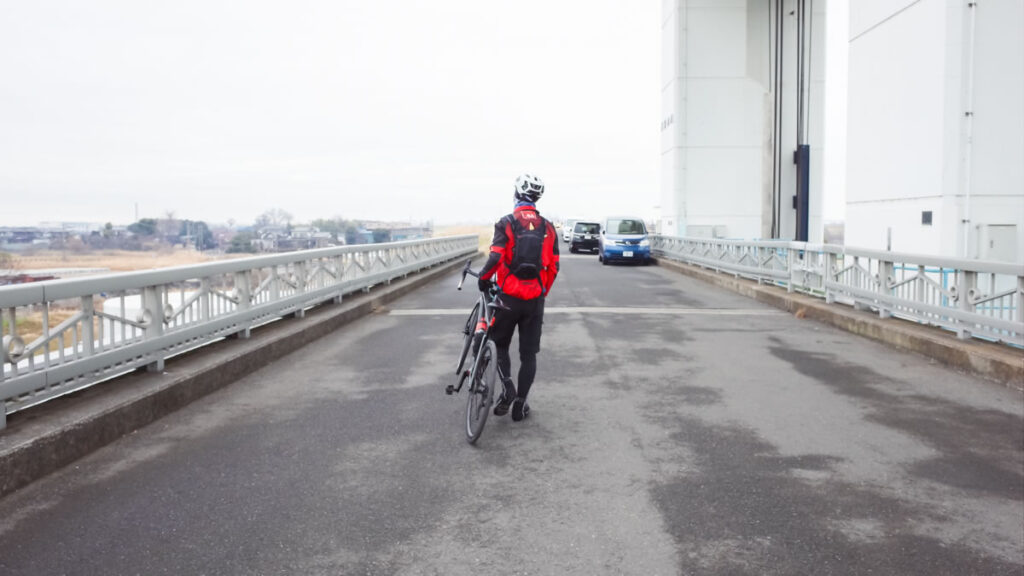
(501, 255)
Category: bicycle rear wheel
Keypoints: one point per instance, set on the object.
(481, 392)
(467, 337)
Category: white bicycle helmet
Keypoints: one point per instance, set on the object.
(529, 188)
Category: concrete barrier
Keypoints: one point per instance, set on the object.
(45, 438)
(997, 362)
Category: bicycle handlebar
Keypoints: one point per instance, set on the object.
(466, 270)
(495, 290)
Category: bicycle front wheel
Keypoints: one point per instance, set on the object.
(481, 392)
(467, 336)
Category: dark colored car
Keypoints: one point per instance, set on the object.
(585, 236)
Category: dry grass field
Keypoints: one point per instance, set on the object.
(484, 232)
(115, 260)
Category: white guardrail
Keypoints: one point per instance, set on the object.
(970, 297)
(83, 331)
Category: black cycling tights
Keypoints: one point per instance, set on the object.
(527, 369)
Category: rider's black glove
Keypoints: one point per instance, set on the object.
(483, 284)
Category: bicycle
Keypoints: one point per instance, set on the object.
(483, 372)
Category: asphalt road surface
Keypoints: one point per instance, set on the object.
(676, 429)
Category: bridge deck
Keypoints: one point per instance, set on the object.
(676, 429)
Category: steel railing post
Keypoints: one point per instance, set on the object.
(964, 292)
(243, 295)
(861, 281)
(791, 264)
(759, 260)
(204, 299)
(88, 333)
(1018, 304)
(885, 278)
(275, 284)
(300, 286)
(831, 267)
(339, 269)
(153, 318)
(919, 285)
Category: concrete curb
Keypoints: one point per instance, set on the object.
(48, 437)
(992, 361)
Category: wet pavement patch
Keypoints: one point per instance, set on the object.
(848, 380)
(746, 510)
(979, 450)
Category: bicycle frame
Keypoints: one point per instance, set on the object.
(485, 317)
(483, 373)
(486, 303)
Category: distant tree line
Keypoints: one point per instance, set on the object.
(149, 233)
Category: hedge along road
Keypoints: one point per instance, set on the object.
(676, 429)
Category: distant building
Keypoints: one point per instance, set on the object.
(398, 231)
(281, 239)
(270, 239)
(363, 236)
(20, 235)
(303, 232)
(79, 228)
(411, 233)
(322, 240)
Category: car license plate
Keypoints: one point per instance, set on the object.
(627, 254)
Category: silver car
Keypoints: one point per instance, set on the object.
(567, 230)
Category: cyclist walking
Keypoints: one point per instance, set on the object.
(524, 263)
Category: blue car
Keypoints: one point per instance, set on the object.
(624, 239)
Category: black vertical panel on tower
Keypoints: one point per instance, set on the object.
(803, 180)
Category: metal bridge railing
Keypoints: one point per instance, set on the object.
(87, 330)
(970, 297)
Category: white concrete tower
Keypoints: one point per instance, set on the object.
(935, 150)
(742, 86)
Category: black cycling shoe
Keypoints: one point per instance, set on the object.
(520, 410)
(506, 398)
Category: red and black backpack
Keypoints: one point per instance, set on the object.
(528, 269)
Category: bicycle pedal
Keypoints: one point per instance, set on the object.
(449, 389)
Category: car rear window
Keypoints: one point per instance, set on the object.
(587, 228)
(626, 227)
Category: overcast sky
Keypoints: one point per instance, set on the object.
(218, 110)
(394, 110)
